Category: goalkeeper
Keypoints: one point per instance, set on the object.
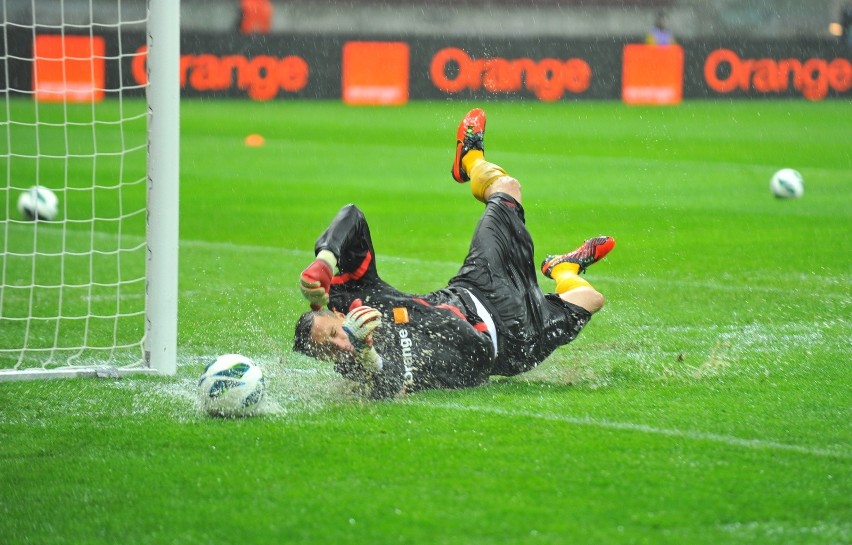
(491, 319)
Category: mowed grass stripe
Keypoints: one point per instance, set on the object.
(759, 281)
(693, 435)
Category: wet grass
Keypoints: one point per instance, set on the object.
(709, 402)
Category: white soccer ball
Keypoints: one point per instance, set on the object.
(38, 202)
(787, 184)
(231, 386)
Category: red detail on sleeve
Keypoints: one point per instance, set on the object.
(357, 274)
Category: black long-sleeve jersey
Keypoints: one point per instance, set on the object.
(491, 319)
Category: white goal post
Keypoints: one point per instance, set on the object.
(90, 110)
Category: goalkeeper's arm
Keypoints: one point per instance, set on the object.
(359, 325)
(315, 280)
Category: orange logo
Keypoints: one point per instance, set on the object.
(262, 77)
(69, 68)
(547, 79)
(725, 71)
(375, 72)
(652, 74)
(400, 315)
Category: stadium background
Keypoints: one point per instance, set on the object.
(301, 56)
(776, 19)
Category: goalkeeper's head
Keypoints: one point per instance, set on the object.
(320, 335)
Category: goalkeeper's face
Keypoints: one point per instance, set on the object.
(330, 340)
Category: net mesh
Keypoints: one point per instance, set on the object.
(72, 120)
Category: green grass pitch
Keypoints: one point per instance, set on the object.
(709, 402)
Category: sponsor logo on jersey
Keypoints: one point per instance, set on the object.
(406, 343)
(400, 315)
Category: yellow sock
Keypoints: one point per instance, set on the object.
(568, 282)
(567, 277)
(482, 174)
(565, 267)
(471, 158)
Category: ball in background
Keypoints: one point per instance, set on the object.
(232, 385)
(787, 183)
(38, 202)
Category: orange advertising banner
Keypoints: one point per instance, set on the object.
(375, 72)
(68, 68)
(652, 74)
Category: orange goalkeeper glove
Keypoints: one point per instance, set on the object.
(315, 282)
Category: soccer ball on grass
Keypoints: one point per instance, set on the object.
(38, 202)
(787, 184)
(232, 385)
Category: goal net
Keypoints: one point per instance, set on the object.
(87, 286)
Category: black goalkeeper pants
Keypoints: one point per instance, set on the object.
(500, 272)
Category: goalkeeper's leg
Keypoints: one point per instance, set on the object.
(470, 165)
(565, 269)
